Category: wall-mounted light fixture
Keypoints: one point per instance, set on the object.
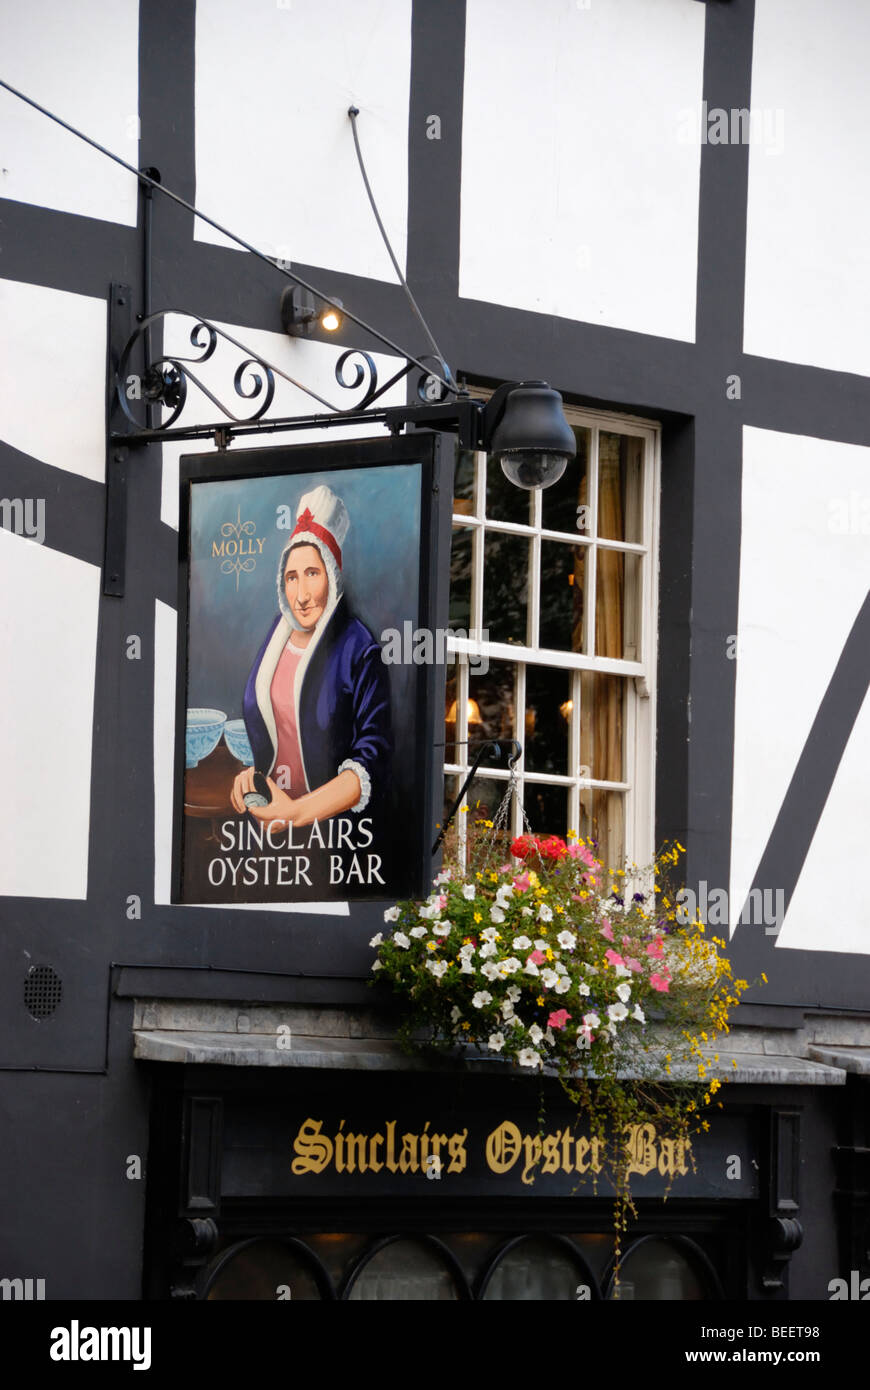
(302, 312)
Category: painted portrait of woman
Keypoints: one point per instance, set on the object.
(317, 701)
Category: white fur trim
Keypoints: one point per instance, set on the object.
(365, 782)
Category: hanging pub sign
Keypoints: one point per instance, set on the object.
(306, 716)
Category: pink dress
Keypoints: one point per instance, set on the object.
(284, 705)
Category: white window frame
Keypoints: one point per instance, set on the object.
(640, 705)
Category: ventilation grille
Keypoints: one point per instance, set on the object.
(43, 990)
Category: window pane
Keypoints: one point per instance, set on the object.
(259, 1270)
(460, 578)
(463, 482)
(504, 500)
(602, 727)
(620, 494)
(546, 808)
(452, 750)
(403, 1271)
(492, 704)
(657, 1270)
(602, 820)
(535, 1270)
(548, 719)
(617, 605)
(505, 588)
(562, 585)
(565, 505)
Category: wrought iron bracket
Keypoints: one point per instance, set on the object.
(491, 746)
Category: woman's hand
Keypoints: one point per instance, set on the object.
(280, 808)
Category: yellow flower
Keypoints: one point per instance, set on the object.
(540, 1001)
(478, 917)
(764, 977)
(549, 954)
(431, 946)
(466, 1026)
(679, 847)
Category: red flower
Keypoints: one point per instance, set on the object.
(558, 1019)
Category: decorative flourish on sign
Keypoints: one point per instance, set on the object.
(166, 379)
(240, 547)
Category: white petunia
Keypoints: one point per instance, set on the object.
(531, 968)
(496, 914)
(583, 988)
(455, 1014)
(442, 928)
(621, 970)
(467, 950)
(489, 934)
(529, 1058)
(542, 945)
(536, 1033)
(437, 967)
(488, 948)
(549, 978)
(564, 985)
(638, 1013)
(507, 1009)
(567, 940)
(481, 999)
(376, 940)
(623, 993)
(378, 965)
(513, 992)
(443, 877)
(527, 912)
(545, 913)
(522, 943)
(617, 1012)
(592, 1020)
(468, 892)
(490, 970)
(510, 966)
(419, 931)
(391, 914)
(465, 966)
(400, 939)
(495, 1042)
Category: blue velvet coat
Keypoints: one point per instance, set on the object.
(343, 714)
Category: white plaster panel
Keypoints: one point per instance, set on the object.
(56, 410)
(807, 250)
(48, 644)
(165, 676)
(82, 63)
(312, 363)
(821, 917)
(275, 159)
(581, 160)
(804, 573)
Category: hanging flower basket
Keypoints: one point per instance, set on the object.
(554, 961)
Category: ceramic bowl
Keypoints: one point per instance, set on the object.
(236, 739)
(204, 729)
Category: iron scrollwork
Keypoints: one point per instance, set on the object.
(166, 379)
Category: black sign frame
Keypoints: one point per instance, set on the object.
(435, 456)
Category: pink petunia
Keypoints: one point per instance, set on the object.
(660, 982)
(656, 948)
(558, 1019)
(626, 941)
(521, 883)
(614, 957)
(442, 901)
(607, 930)
(537, 956)
(634, 964)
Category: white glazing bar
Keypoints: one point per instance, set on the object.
(574, 753)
